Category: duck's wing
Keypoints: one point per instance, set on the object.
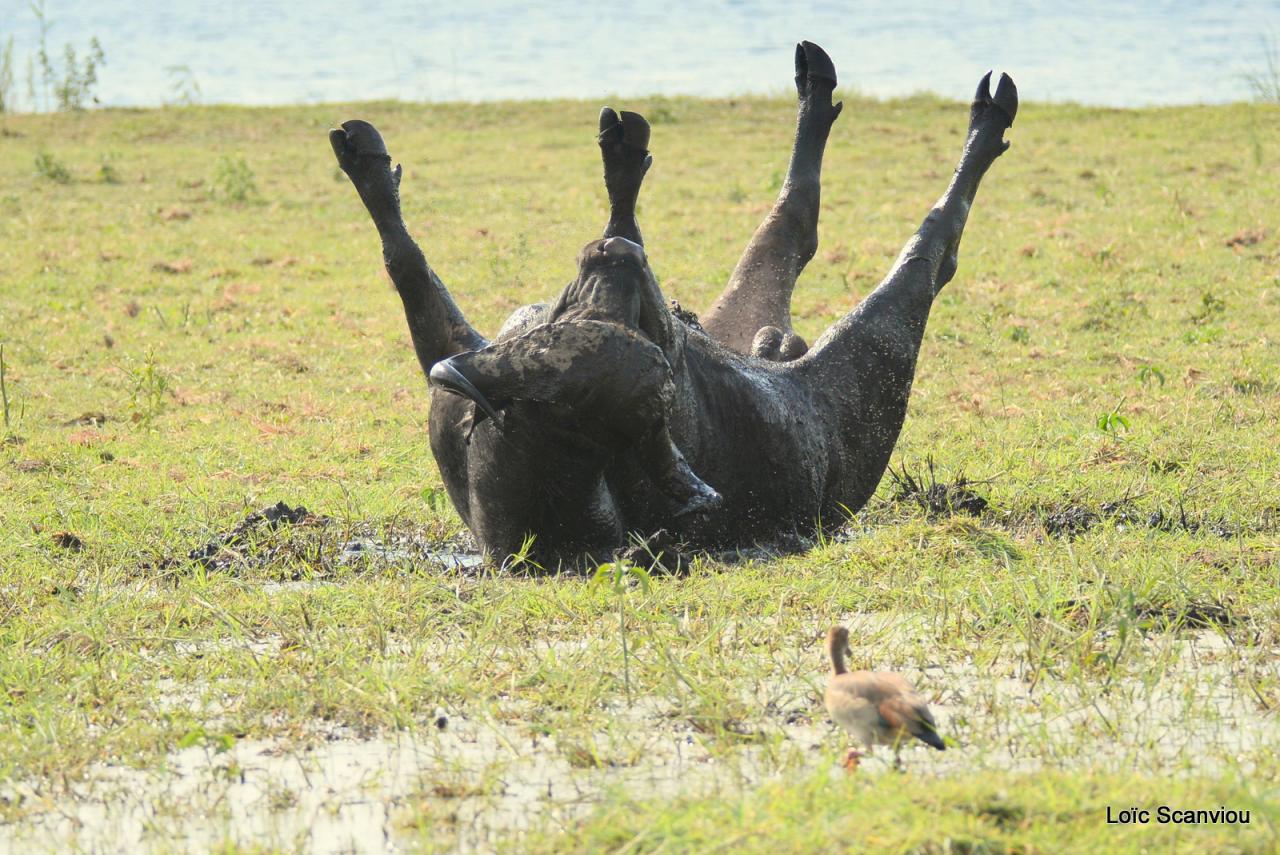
(907, 711)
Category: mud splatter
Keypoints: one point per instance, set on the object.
(1072, 520)
(685, 316)
(222, 552)
(936, 498)
(68, 541)
(306, 545)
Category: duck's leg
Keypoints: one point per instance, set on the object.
(868, 359)
(852, 760)
(759, 291)
(437, 326)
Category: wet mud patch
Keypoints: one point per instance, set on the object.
(411, 547)
(291, 543)
(1069, 521)
(476, 776)
(1072, 520)
(471, 781)
(287, 543)
(227, 550)
(936, 498)
(661, 554)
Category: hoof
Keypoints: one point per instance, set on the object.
(624, 140)
(624, 146)
(812, 63)
(610, 127)
(608, 118)
(625, 129)
(358, 145)
(994, 111)
(357, 138)
(816, 78)
(1006, 97)
(767, 343)
(793, 347)
(1003, 104)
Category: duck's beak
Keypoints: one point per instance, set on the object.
(449, 377)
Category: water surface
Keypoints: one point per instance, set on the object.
(1120, 54)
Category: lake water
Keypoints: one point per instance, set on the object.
(1111, 53)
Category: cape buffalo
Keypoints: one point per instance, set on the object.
(607, 414)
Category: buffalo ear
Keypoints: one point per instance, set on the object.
(474, 417)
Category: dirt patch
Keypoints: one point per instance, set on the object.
(227, 550)
(405, 548)
(1072, 520)
(68, 541)
(1201, 615)
(939, 498)
(1248, 237)
(305, 545)
(91, 419)
(936, 498)
(181, 265)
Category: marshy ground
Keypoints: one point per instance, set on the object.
(1076, 561)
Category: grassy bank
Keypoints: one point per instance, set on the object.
(195, 325)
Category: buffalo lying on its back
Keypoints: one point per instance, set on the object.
(602, 414)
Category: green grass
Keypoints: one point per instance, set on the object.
(818, 813)
(204, 329)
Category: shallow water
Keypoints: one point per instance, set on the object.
(480, 776)
(1129, 54)
(370, 549)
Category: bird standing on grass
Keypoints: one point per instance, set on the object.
(875, 707)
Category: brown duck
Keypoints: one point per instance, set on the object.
(875, 707)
